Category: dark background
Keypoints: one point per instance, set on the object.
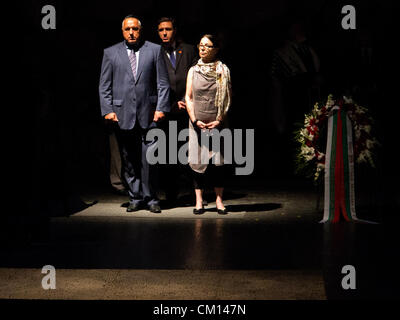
(57, 145)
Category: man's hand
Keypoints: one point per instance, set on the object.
(181, 105)
(213, 124)
(158, 116)
(111, 116)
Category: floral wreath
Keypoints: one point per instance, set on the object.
(310, 159)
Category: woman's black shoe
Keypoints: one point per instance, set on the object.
(198, 211)
(222, 211)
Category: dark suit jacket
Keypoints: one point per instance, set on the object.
(132, 98)
(186, 56)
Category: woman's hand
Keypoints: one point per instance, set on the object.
(212, 124)
(201, 124)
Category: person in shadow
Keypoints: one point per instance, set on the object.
(179, 57)
(295, 86)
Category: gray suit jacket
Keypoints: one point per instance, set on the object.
(134, 99)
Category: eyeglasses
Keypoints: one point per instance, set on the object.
(205, 46)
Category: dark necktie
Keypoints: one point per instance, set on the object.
(172, 58)
(132, 59)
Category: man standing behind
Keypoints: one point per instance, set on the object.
(134, 92)
(179, 57)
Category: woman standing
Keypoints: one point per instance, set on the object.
(208, 97)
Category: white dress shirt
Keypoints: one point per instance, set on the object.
(137, 56)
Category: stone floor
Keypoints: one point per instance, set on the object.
(270, 246)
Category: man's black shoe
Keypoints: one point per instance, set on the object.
(155, 208)
(133, 207)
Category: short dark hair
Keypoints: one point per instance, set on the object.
(216, 40)
(167, 19)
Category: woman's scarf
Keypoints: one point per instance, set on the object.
(222, 76)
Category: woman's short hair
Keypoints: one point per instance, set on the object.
(216, 40)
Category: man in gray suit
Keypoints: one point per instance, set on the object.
(134, 91)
